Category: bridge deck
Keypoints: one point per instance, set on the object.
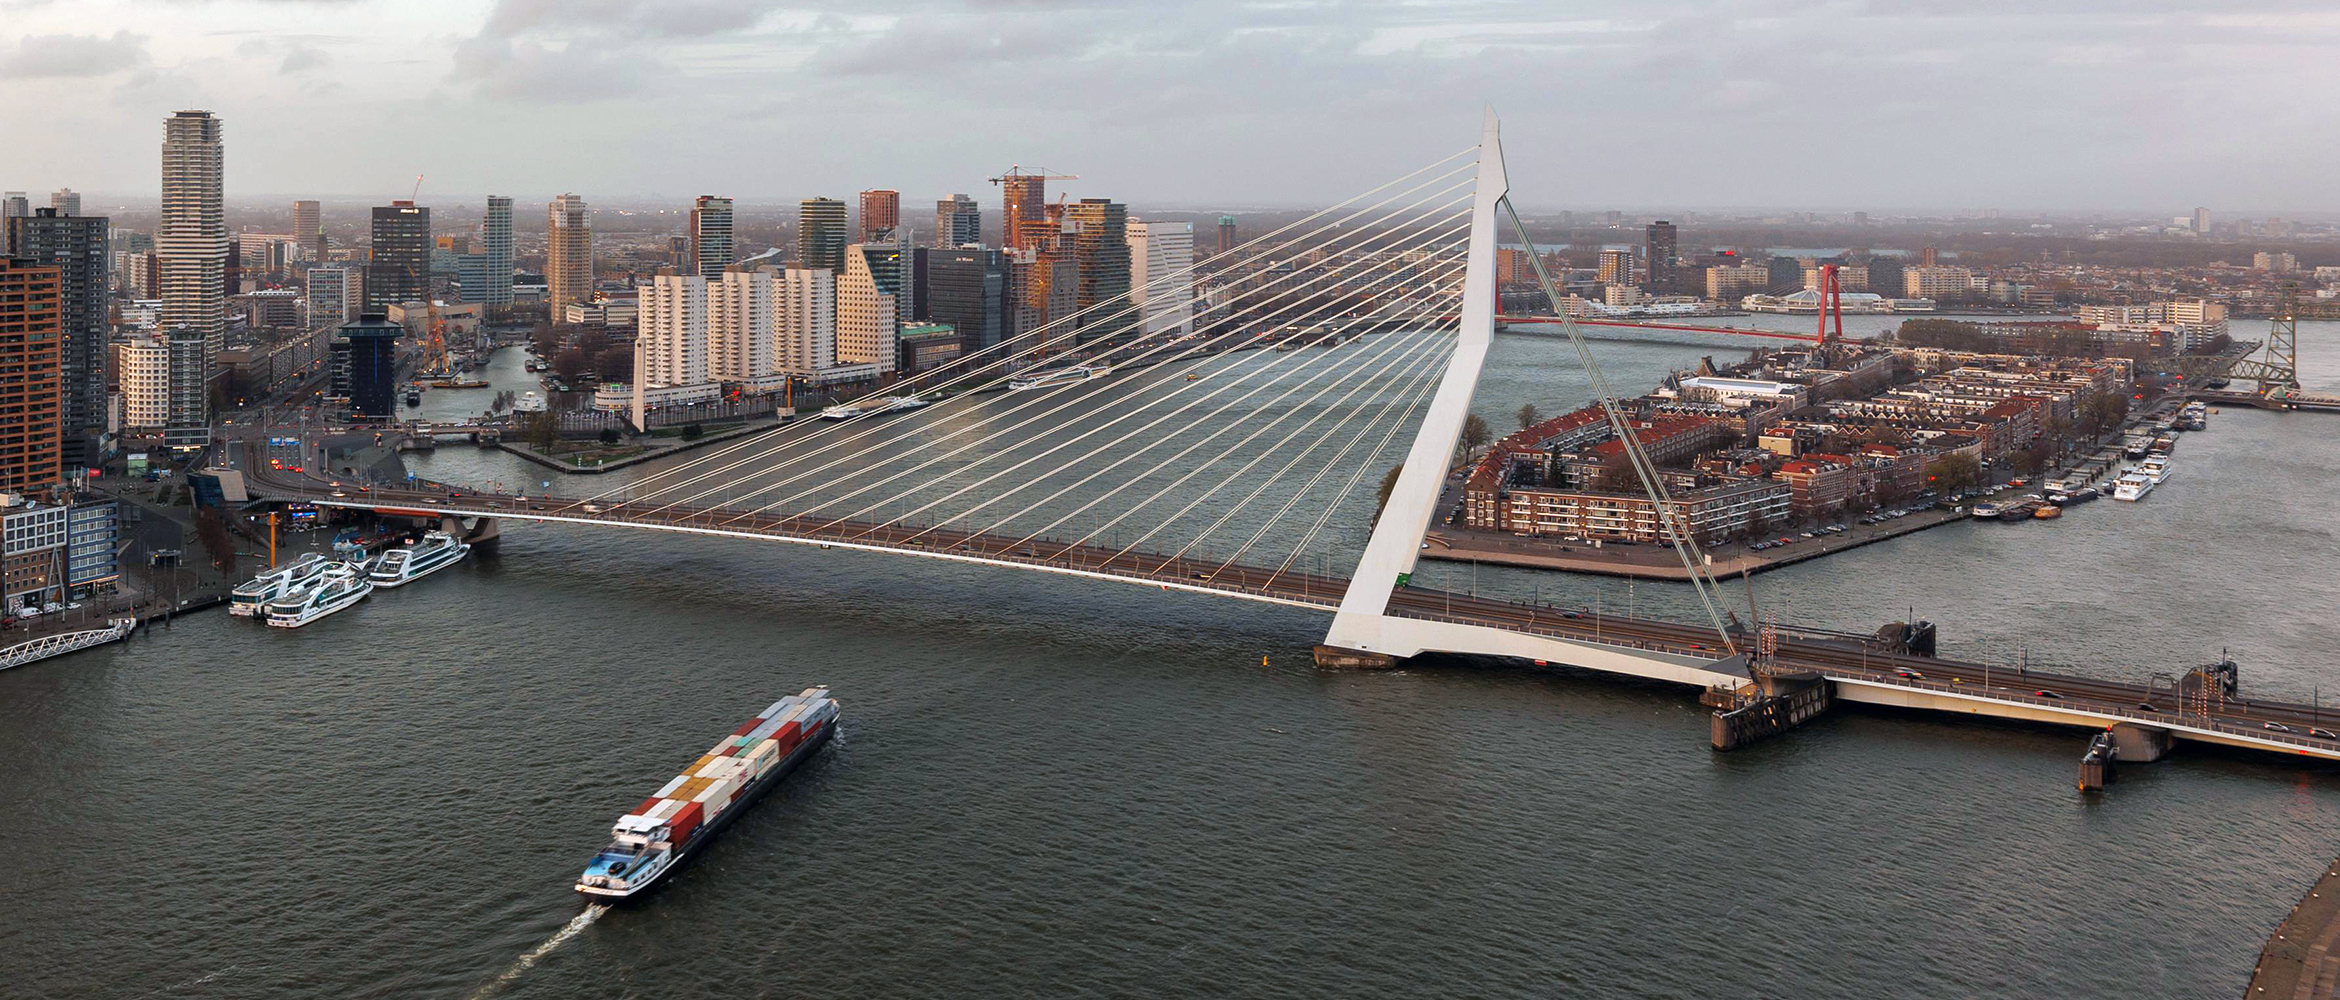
(1860, 675)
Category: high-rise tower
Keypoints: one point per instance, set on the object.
(1100, 240)
(568, 267)
(958, 222)
(711, 247)
(495, 237)
(821, 233)
(398, 261)
(1658, 255)
(76, 246)
(308, 229)
(1025, 198)
(30, 335)
(191, 241)
(881, 212)
(66, 201)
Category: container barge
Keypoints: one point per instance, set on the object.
(685, 815)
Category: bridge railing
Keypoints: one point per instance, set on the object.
(2203, 722)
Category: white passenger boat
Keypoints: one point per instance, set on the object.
(250, 599)
(341, 585)
(399, 567)
(873, 407)
(2133, 485)
(2155, 467)
(1054, 377)
(530, 401)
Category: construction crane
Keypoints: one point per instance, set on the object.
(1032, 184)
(1016, 171)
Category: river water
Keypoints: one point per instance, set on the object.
(1051, 787)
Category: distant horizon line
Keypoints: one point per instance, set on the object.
(681, 205)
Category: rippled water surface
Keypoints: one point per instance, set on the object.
(1048, 787)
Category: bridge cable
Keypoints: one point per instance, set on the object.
(1044, 476)
(1231, 331)
(1207, 494)
(1402, 418)
(1411, 388)
(1400, 341)
(1672, 520)
(1166, 281)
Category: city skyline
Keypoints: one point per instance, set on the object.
(1145, 110)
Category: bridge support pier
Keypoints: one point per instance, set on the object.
(2135, 744)
(1337, 658)
(2097, 762)
(1780, 702)
(482, 533)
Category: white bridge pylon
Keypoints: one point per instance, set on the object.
(1363, 631)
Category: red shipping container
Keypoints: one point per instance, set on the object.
(788, 736)
(647, 805)
(685, 820)
(749, 728)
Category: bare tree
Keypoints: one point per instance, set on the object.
(1528, 415)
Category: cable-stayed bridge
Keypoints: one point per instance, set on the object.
(1324, 386)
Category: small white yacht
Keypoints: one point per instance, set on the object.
(2155, 467)
(2133, 485)
(872, 407)
(250, 599)
(399, 567)
(1054, 377)
(530, 401)
(338, 587)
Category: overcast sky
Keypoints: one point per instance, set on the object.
(1636, 104)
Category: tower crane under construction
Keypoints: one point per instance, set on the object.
(1025, 197)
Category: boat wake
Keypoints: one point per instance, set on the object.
(574, 927)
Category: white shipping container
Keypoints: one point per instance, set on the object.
(718, 792)
(720, 768)
(777, 707)
(669, 787)
(666, 809)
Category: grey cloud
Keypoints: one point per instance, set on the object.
(37, 56)
(301, 59)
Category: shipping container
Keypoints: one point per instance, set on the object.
(666, 791)
(647, 805)
(665, 810)
(690, 789)
(747, 727)
(686, 821)
(717, 791)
